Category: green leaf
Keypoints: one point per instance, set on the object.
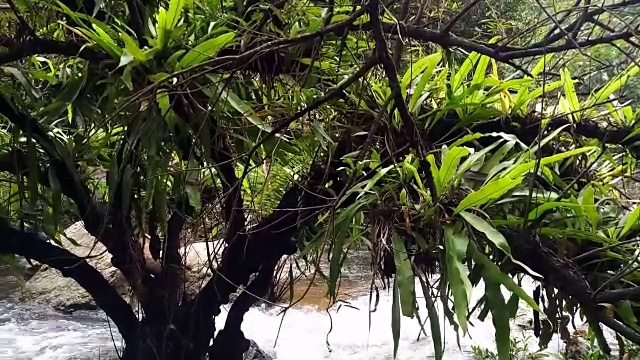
(542, 208)
(395, 317)
(521, 169)
(434, 60)
(31, 90)
(588, 202)
(570, 93)
(206, 50)
(167, 21)
(488, 230)
(93, 36)
(68, 94)
(475, 159)
(523, 99)
(534, 149)
(435, 173)
(126, 76)
(575, 234)
(541, 64)
(131, 46)
(404, 276)
(193, 194)
(363, 187)
(107, 40)
(481, 70)
(339, 232)
(493, 271)
(497, 157)
(422, 66)
(492, 190)
(173, 14)
(492, 235)
(625, 310)
(125, 58)
(321, 135)
(464, 70)
(456, 243)
(450, 164)
(500, 318)
(615, 84)
(161, 32)
(434, 321)
(242, 107)
(629, 221)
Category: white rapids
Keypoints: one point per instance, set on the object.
(34, 333)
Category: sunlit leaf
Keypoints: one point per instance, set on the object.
(491, 191)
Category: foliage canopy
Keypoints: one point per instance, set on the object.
(479, 141)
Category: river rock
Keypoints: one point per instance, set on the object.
(255, 353)
(577, 346)
(48, 286)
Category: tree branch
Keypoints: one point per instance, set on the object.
(553, 37)
(398, 47)
(613, 296)
(21, 20)
(447, 28)
(230, 342)
(38, 46)
(93, 216)
(490, 50)
(412, 132)
(34, 247)
(619, 328)
(172, 261)
(136, 20)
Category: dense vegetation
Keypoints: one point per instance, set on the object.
(479, 141)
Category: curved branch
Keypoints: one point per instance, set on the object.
(94, 217)
(613, 296)
(492, 51)
(413, 135)
(20, 50)
(230, 342)
(34, 247)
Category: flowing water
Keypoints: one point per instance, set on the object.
(346, 331)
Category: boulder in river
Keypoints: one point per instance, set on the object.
(48, 286)
(255, 353)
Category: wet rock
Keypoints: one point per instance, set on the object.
(577, 346)
(255, 353)
(48, 286)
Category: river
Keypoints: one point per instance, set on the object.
(29, 332)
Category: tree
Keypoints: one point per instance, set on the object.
(310, 127)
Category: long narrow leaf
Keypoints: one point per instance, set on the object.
(456, 242)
